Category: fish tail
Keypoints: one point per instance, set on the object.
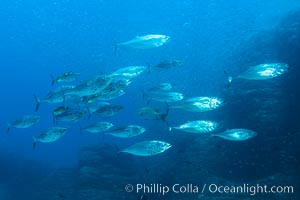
(38, 102)
(53, 79)
(143, 94)
(34, 142)
(164, 116)
(8, 127)
(167, 108)
(229, 79)
(170, 128)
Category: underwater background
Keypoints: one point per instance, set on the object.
(39, 38)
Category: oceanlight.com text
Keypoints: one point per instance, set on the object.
(246, 189)
(250, 189)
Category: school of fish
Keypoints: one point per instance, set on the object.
(88, 97)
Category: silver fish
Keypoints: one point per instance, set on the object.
(114, 90)
(165, 96)
(129, 72)
(263, 71)
(105, 96)
(117, 85)
(70, 115)
(149, 113)
(50, 135)
(146, 41)
(148, 148)
(237, 134)
(24, 122)
(160, 88)
(98, 127)
(62, 89)
(65, 77)
(199, 126)
(109, 110)
(127, 131)
(166, 64)
(200, 104)
(59, 110)
(57, 95)
(90, 87)
(93, 106)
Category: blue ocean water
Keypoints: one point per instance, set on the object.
(39, 38)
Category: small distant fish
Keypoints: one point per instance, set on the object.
(200, 126)
(146, 41)
(127, 131)
(92, 106)
(200, 104)
(98, 127)
(65, 77)
(262, 72)
(165, 96)
(24, 122)
(109, 110)
(58, 95)
(167, 64)
(160, 88)
(70, 115)
(114, 90)
(50, 135)
(236, 134)
(62, 89)
(148, 148)
(105, 96)
(129, 72)
(149, 113)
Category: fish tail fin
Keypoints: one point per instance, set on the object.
(167, 108)
(53, 79)
(38, 102)
(170, 128)
(8, 127)
(164, 116)
(34, 142)
(229, 79)
(144, 95)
